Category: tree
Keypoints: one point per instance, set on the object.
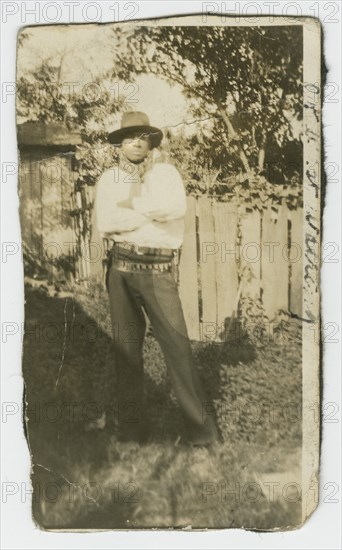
(248, 80)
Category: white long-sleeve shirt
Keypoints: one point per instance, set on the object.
(159, 206)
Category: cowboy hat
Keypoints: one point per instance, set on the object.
(135, 121)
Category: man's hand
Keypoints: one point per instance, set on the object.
(128, 203)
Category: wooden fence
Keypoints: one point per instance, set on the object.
(47, 199)
(269, 245)
(219, 241)
(46, 187)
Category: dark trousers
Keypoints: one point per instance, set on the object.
(157, 293)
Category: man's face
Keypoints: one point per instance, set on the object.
(136, 147)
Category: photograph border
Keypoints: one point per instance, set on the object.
(311, 299)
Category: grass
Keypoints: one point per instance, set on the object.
(88, 480)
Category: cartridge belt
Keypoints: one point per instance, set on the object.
(142, 254)
(134, 267)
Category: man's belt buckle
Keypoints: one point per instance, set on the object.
(134, 249)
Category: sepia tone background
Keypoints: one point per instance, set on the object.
(229, 100)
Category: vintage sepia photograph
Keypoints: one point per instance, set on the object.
(170, 206)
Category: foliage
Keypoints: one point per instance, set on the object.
(247, 82)
(41, 97)
(34, 266)
(45, 94)
(260, 194)
(208, 171)
(254, 322)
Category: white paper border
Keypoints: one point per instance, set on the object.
(18, 530)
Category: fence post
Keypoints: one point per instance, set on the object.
(188, 278)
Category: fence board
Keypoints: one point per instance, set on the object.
(51, 171)
(225, 222)
(35, 183)
(188, 287)
(274, 265)
(296, 253)
(25, 202)
(250, 251)
(209, 249)
(68, 186)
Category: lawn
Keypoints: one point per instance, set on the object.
(84, 478)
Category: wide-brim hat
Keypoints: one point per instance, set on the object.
(132, 122)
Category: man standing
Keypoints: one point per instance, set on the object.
(142, 216)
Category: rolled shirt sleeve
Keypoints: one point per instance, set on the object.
(164, 198)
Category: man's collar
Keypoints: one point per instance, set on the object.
(132, 168)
